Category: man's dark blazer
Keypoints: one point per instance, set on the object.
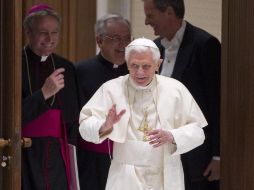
(197, 66)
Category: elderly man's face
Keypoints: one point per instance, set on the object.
(112, 44)
(44, 36)
(142, 67)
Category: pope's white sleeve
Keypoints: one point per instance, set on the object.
(89, 129)
(188, 137)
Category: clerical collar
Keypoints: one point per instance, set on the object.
(175, 42)
(107, 63)
(44, 58)
(115, 66)
(34, 56)
(150, 86)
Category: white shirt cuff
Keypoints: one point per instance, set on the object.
(216, 158)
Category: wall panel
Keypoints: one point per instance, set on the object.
(237, 119)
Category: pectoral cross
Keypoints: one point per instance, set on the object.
(144, 128)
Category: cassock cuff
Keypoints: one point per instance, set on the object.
(89, 129)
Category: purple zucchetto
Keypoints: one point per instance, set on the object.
(39, 11)
(39, 7)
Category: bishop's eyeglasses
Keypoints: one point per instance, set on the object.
(118, 39)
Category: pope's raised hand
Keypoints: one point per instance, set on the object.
(112, 118)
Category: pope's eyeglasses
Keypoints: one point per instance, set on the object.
(135, 67)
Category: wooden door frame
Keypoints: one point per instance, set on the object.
(10, 87)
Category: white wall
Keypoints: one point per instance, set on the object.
(202, 13)
(205, 14)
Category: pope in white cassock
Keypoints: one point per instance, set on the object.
(152, 119)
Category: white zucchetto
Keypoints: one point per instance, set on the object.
(143, 42)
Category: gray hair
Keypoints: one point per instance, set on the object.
(100, 27)
(31, 18)
(141, 49)
(177, 5)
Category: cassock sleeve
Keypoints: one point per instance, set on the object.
(33, 106)
(93, 115)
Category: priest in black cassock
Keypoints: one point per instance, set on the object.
(49, 104)
(113, 33)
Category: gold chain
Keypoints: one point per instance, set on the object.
(29, 78)
(145, 128)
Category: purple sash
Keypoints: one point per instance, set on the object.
(101, 148)
(50, 124)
